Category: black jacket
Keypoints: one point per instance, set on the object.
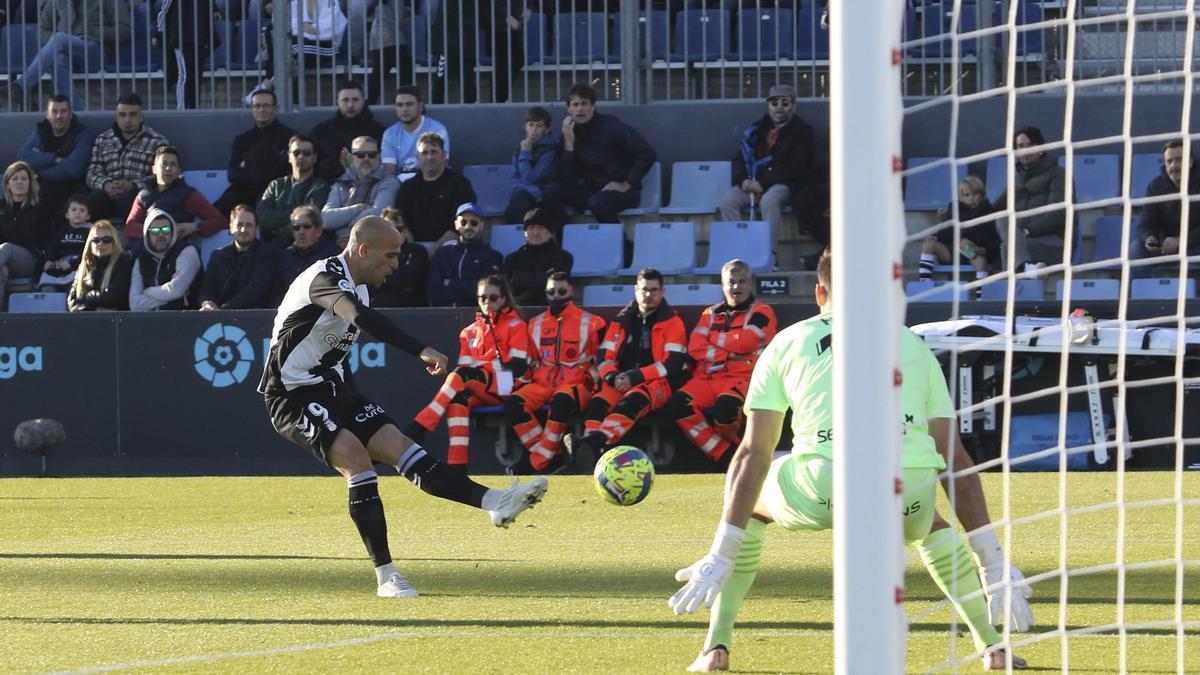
(21, 225)
(456, 269)
(528, 267)
(339, 132)
(983, 235)
(607, 150)
(406, 286)
(292, 261)
(96, 295)
(428, 206)
(789, 162)
(1161, 220)
(240, 279)
(259, 156)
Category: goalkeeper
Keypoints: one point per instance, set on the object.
(795, 372)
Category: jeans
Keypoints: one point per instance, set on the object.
(61, 53)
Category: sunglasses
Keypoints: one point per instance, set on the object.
(490, 297)
(551, 292)
(366, 154)
(302, 153)
(302, 226)
(102, 240)
(471, 222)
(166, 229)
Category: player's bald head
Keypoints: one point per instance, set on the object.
(374, 231)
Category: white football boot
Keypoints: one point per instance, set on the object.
(396, 586)
(518, 498)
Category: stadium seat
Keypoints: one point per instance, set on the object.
(750, 241)
(660, 42)
(535, 39)
(693, 294)
(702, 35)
(1160, 289)
(651, 199)
(812, 41)
(137, 55)
(598, 248)
(1097, 177)
(1090, 289)
(1028, 41)
(607, 295)
(210, 244)
(932, 189)
(937, 291)
(1146, 167)
(580, 37)
(26, 303)
(210, 183)
(696, 187)
(997, 178)
(1108, 239)
(18, 45)
(1028, 290)
(936, 19)
(243, 48)
(507, 238)
(493, 184)
(668, 247)
(764, 32)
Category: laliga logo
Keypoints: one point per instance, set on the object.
(16, 359)
(223, 355)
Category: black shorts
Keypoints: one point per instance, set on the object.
(311, 417)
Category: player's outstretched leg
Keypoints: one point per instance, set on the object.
(715, 655)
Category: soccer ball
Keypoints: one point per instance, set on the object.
(624, 475)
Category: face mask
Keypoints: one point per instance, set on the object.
(558, 304)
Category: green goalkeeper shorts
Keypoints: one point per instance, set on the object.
(799, 495)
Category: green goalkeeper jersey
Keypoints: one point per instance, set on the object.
(796, 371)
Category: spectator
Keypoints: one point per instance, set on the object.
(102, 281)
(366, 189)
(166, 272)
(122, 157)
(167, 191)
(401, 140)
(774, 163)
(259, 154)
(66, 250)
(529, 266)
(723, 347)
(58, 150)
(1039, 181)
(184, 27)
(535, 163)
(493, 353)
(73, 34)
(978, 244)
(563, 340)
(429, 201)
(405, 286)
(317, 31)
(308, 246)
(240, 275)
(642, 359)
(20, 215)
(459, 264)
(388, 42)
(283, 195)
(334, 136)
(603, 163)
(1160, 227)
(462, 22)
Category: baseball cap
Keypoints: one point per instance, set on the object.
(781, 90)
(464, 207)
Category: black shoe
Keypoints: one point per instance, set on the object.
(582, 452)
(523, 467)
(416, 432)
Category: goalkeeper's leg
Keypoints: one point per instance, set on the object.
(950, 564)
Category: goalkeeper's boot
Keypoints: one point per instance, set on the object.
(996, 658)
(396, 586)
(711, 660)
(518, 498)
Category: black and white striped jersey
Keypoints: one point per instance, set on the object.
(308, 341)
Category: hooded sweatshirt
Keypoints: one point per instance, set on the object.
(161, 280)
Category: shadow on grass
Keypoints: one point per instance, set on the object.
(1142, 587)
(217, 556)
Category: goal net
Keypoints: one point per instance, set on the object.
(1050, 260)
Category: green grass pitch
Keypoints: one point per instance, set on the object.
(268, 575)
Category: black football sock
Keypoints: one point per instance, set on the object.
(439, 479)
(366, 510)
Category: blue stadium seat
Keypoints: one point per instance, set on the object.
(535, 39)
(18, 45)
(580, 37)
(210, 244)
(812, 41)
(243, 48)
(668, 247)
(696, 187)
(932, 189)
(137, 55)
(210, 183)
(27, 303)
(660, 42)
(1146, 167)
(750, 241)
(493, 184)
(598, 248)
(1096, 177)
(997, 178)
(702, 35)
(225, 34)
(936, 19)
(1109, 242)
(507, 238)
(651, 199)
(1028, 290)
(607, 295)
(763, 33)
(1090, 289)
(693, 294)
(938, 291)
(1159, 289)
(1028, 41)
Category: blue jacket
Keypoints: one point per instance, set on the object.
(537, 166)
(455, 272)
(73, 149)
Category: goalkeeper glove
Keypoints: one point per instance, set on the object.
(707, 576)
(990, 558)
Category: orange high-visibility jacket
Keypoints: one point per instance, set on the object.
(564, 347)
(727, 340)
(492, 341)
(667, 338)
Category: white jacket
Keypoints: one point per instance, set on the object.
(328, 18)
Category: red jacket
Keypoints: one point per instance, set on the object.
(565, 346)
(667, 337)
(491, 341)
(727, 340)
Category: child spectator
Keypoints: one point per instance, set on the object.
(102, 281)
(978, 244)
(66, 250)
(535, 162)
